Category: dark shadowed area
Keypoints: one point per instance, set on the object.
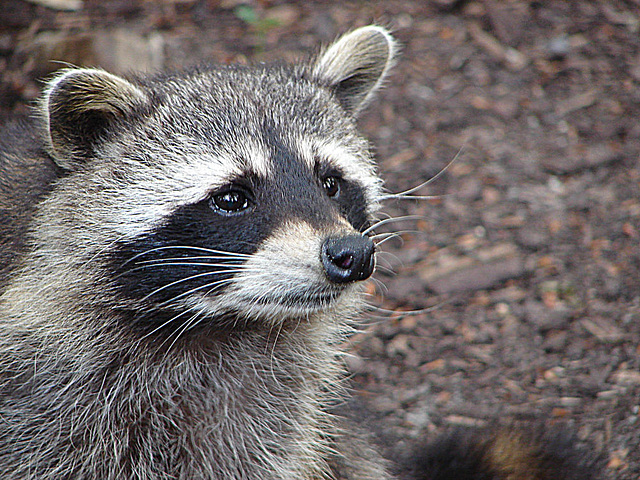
(528, 257)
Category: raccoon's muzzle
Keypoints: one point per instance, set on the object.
(348, 258)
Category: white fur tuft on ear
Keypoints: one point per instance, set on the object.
(356, 64)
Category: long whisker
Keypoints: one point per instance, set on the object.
(192, 277)
(407, 193)
(380, 286)
(384, 269)
(160, 263)
(185, 247)
(391, 220)
(226, 267)
(384, 235)
(382, 255)
(390, 237)
(164, 324)
(384, 261)
(189, 323)
(413, 312)
(415, 197)
(193, 324)
(201, 287)
(185, 326)
(180, 259)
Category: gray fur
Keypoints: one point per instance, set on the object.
(82, 394)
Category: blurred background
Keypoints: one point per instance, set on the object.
(514, 298)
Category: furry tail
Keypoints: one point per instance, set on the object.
(505, 454)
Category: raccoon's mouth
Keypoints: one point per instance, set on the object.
(303, 300)
(284, 302)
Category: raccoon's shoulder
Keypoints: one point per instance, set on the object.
(27, 174)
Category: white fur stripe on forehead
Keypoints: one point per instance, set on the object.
(257, 160)
(197, 172)
(248, 157)
(355, 165)
(189, 176)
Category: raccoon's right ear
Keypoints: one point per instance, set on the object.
(356, 64)
(81, 107)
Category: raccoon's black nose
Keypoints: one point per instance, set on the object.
(348, 259)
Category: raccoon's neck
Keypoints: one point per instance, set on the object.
(250, 406)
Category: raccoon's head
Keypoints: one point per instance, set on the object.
(229, 195)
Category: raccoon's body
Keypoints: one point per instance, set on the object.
(181, 257)
(26, 175)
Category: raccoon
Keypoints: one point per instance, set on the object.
(181, 257)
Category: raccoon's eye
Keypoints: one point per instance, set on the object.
(332, 186)
(230, 202)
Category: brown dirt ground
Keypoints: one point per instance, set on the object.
(527, 259)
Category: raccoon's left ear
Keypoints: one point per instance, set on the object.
(83, 106)
(356, 64)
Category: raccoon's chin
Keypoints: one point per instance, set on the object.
(304, 301)
(276, 304)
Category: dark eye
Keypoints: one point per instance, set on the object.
(331, 186)
(230, 202)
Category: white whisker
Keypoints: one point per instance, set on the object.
(380, 286)
(382, 255)
(411, 312)
(185, 264)
(387, 270)
(407, 193)
(186, 247)
(185, 326)
(414, 197)
(384, 263)
(164, 324)
(391, 220)
(192, 277)
(213, 285)
(203, 257)
(391, 236)
(382, 234)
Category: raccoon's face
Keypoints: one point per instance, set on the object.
(236, 194)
